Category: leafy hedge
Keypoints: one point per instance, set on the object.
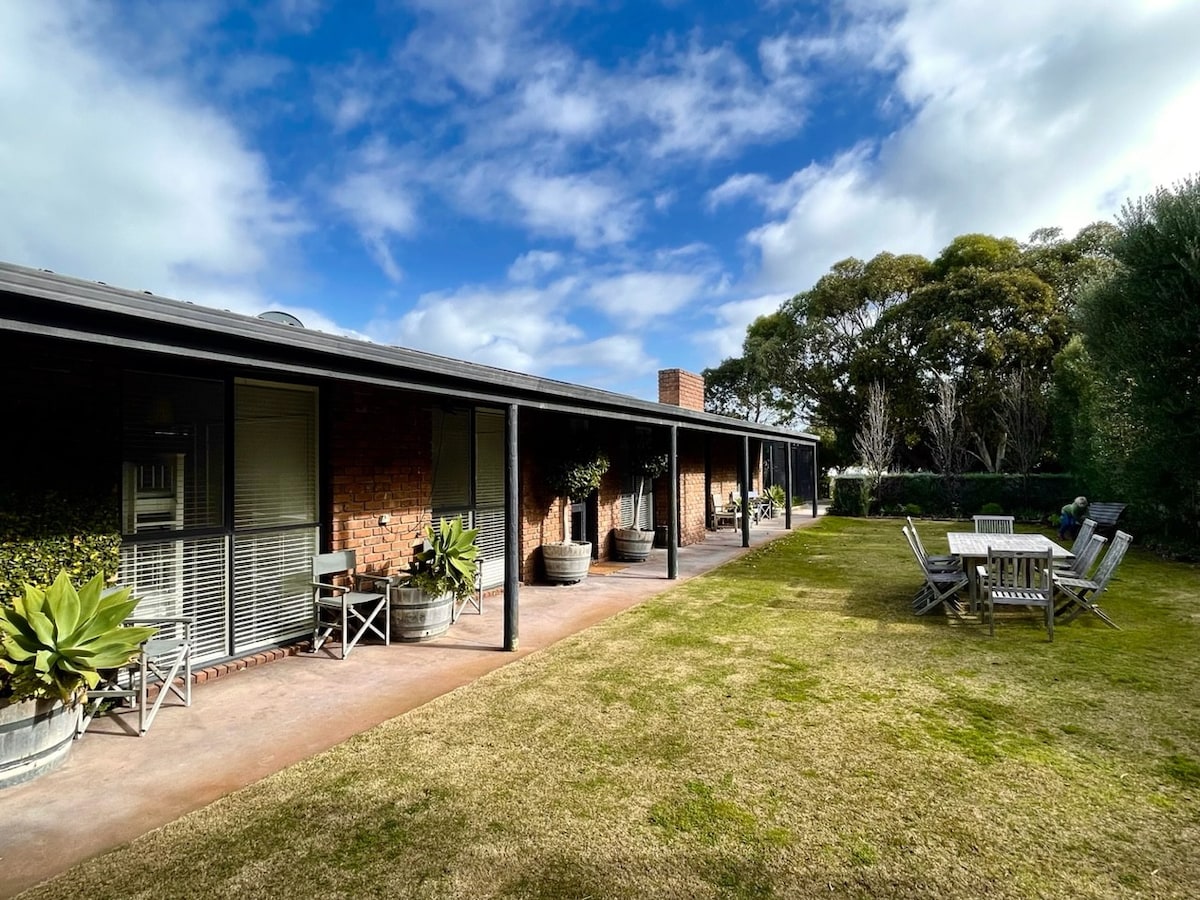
(955, 497)
(43, 534)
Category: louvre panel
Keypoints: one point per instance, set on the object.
(272, 596)
(183, 578)
(645, 511)
(451, 458)
(275, 456)
(491, 545)
(489, 459)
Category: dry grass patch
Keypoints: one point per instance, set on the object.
(781, 727)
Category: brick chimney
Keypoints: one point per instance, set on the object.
(679, 388)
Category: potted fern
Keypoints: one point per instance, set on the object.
(574, 477)
(633, 544)
(53, 646)
(442, 574)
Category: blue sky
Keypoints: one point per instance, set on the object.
(588, 190)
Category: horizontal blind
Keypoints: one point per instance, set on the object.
(273, 598)
(489, 459)
(275, 464)
(491, 545)
(451, 459)
(183, 578)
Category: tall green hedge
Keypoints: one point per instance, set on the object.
(959, 496)
(41, 534)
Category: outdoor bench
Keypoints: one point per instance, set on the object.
(1105, 515)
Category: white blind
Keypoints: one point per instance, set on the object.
(272, 594)
(489, 459)
(645, 511)
(183, 578)
(275, 455)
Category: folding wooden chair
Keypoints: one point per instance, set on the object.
(948, 560)
(722, 514)
(1020, 578)
(1085, 558)
(340, 604)
(941, 585)
(993, 524)
(1079, 594)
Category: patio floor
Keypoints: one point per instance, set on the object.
(249, 724)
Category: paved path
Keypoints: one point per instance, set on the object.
(247, 725)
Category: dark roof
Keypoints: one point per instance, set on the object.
(41, 302)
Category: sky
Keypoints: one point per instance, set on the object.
(586, 190)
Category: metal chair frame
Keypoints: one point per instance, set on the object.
(356, 610)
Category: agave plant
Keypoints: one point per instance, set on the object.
(54, 643)
(776, 495)
(448, 562)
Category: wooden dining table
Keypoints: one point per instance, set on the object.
(972, 547)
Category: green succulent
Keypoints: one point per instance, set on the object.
(776, 495)
(449, 560)
(54, 643)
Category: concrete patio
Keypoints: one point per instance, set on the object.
(249, 724)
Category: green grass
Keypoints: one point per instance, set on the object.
(782, 727)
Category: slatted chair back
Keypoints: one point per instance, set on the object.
(1112, 559)
(1020, 578)
(1087, 556)
(1086, 530)
(994, 524)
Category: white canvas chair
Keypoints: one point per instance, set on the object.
(162, 668)
(340, 604)
(1078, 594)
(994, 524)
(1019, 578)
(941, 585)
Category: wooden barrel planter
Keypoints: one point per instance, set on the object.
(632, 544)
(567, 561)
(418, 616)
(35, 737)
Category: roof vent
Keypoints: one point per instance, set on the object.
(274, 315)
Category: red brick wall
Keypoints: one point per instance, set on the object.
(693, 508)
(677, 387)
(379, 456)
(541, 515)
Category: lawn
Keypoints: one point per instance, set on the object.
(780, 727)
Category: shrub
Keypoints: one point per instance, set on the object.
(991, 509)
(912, 509)
(849, 497)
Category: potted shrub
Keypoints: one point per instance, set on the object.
(633, 544)
(573, 478)
(442, 574)
(778, 498)
(53, 646)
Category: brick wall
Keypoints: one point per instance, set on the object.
(693, 508)
(677, 387)
(379, 456)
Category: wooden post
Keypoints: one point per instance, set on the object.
(673, 501)
(816, 480)
(787, 486)
(745, 479)
(512, 532)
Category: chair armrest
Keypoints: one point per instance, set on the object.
(385, 580)
(332, 587)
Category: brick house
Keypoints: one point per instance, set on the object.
(232, 448)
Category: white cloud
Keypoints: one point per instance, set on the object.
(639, 297)
(533, 265)
(125, 178)
(1015, 121)
(376, 195)
(737, 187)
(733, 318)
(581, 207)
(512, 328)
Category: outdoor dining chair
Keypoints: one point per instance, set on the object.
(162, 668)
(1080, 594)
(993, 524)
(948, 560)
(722, 513)
(1086, 530)
(1019, 578)
(341, 604)
(941, 585)
(1085, 559)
